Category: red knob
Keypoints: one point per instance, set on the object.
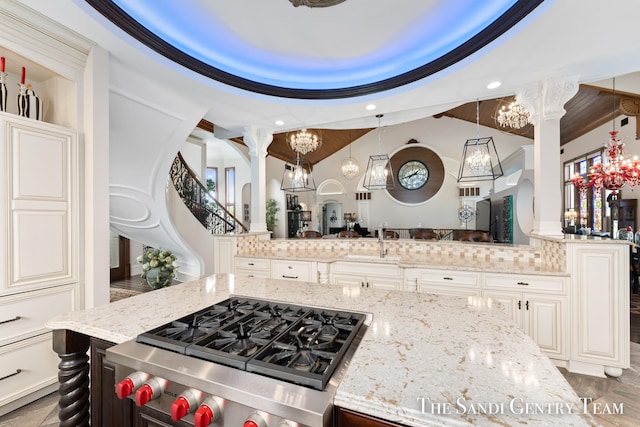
(255, 420)
(179, 409)
(203, 416)
(144, 395)
(124, 388)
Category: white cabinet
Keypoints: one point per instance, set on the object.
(366, 275)
(444, 282)
(599, 307)
(252, 267)
(539, 306)
(39, 255)
(300, 271)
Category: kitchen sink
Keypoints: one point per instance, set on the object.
(372, 257)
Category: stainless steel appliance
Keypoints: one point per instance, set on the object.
(241, 362)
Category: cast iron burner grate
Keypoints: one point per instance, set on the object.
(298, 344)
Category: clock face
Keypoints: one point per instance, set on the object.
(413, 175)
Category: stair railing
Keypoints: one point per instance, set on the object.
(201, 202)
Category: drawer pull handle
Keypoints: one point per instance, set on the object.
(526, 304)
(250, 263)
(289, 277)
(11, 375)
(10, 320)
(523, 284)
(447, 278)
(250, 275)
(519, 304)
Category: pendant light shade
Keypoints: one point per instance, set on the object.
(297, 176)
(379, 175)
(480, 161)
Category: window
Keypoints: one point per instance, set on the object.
(230, 190)
(212, 181)
(589, 205)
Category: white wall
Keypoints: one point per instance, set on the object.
(446, 137)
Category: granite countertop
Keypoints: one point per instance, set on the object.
(416, 261)
(425, 359)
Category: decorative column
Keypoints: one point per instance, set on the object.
(73, 377)
(258, 140)
(545, 102)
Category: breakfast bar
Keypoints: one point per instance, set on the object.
(425, 359)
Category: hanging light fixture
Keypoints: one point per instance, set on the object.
(513, 115)
(379, 175)
(297, 176)
(304, 142)
(616, 171)
(480, 161)
(350, 167)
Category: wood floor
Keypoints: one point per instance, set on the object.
(605, 392)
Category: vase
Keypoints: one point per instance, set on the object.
(3, 91)
(158, 278)
(29, 104)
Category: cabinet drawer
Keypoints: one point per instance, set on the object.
(525, 283)
(252, 273)
(447, 277)
(24, 315)
(27, 366)
(367, 269)
(301, 271)
(252, 263)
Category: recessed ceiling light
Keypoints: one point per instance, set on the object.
(370, 107)
(279, 122)
(494, 85)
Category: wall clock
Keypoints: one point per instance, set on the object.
(413, 175)
(419, 173)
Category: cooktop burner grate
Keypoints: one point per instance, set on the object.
(298, 344)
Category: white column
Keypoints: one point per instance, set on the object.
(258, 141)
(546, 102)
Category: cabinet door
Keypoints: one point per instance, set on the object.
(512, 304)
(383, 283)
(106, 408)
(40, 181)
(347, 280)
(545, 320)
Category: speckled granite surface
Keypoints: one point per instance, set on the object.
(421, 357)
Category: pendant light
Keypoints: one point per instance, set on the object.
(480, 161)
(379, 175)
(350, 167)
(297, 176)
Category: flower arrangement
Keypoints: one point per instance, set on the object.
(157, 267)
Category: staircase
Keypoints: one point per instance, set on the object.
(201, 202)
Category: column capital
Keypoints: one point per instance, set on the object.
(545, 100)
(258, 140)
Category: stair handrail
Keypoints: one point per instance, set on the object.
(181, 174)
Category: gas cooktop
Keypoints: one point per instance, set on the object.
(302, 345)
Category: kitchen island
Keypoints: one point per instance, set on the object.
(425, 359)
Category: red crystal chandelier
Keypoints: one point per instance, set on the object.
(615, 172)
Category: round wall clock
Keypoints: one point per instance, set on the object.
(419, 173)
(413, 175)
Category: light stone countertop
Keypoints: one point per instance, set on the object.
(418, 261)
(457, 352)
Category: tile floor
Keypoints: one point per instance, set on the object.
(602, 391)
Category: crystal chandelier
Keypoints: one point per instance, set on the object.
(379, 175)
(304, 142)
(350, 167)
(480, 161)
(616, 171)
(514, 116)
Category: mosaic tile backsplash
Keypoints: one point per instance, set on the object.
(551, 255)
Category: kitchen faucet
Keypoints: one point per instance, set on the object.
(381, 241)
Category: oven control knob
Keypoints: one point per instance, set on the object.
(150, 390)
(128, 385)
(207, 413)
(185, 403)
(255, 420)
